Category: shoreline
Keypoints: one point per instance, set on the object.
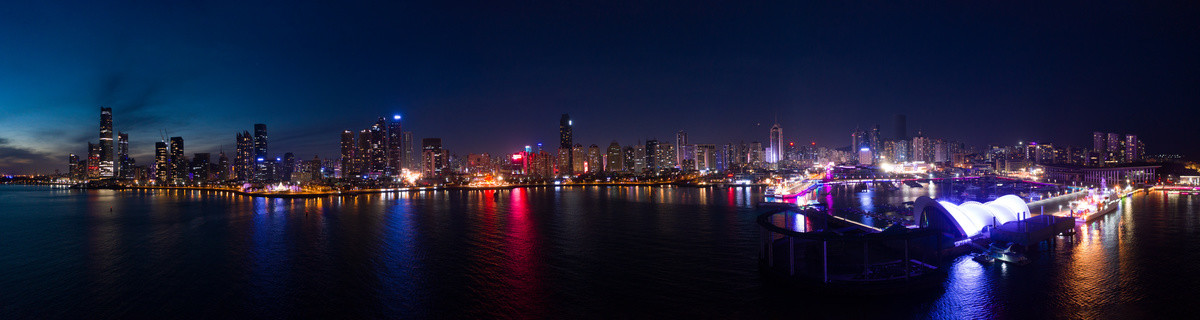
(408, 189)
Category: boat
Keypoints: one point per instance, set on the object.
(1004, 252)
(982, 258)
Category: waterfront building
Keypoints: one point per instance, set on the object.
(563, 166)
(243, 157)
(1133, 148)
(1105, 177)
(681, 139)
(921, 148)
(754, 155)
(260, 152)
(615, 158)
(566, 139)
(287, 167)
(595, 159)
(73, 167)
(775, 144)
(1099, 144)
(93, 161)
(651, 154)
(395, 148)
(222, 171)
(198, 169)
(578, 159)
(349, 160)
(412, 157)
(124, 162)
(705, 157)
(638, 161)
(1115, 150)
(687, 155)
(666, 156)
(162, 163)
(105, 164)
(179, 164)
(433, 156)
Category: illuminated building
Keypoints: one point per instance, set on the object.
(615, 158)
(179, 164)
(1115, 149)
(243, 157)
(578, 159)
(433, 156)
(287, 167)
(921, 148)
(706, 155)
(666, 156)
(1133, 148)
(1106, 177)
(395, 148)
(681, 139)
(93, 161)
(651, 155)
(775, 144)
(260, 152)
(687, 157)
(412, 159)
(349, 167)
(595, 159)
(105, 164)
(198, 169)
(1100, 145)
(563, 166)
(162, 163)
(638, 161)
(566, 140)
(74, 168)
(223, 169)
(481, 164)
(124, 162)
(754, 154)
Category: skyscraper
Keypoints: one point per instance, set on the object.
(93, 161)
(162, 163)
(261, 171)
(243, 158)
(179, 163)
(615, 158)
(652, 155)
(349, 168)
(1132, 151)
(411, 157)
(681, 139)
(395, 147)
(105, 164)
(1115, 148)
(566, 139)
(433, 156)
(776, 146)
(124, 162)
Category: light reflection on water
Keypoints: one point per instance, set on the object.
(536, 252)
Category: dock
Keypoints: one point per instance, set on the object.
(1033, 230)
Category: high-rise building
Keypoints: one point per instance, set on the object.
(243, 158)
(652, 155)
(198, 169)
(433, 156)
(921, 148)
(873, 141)
(162, 163)
(566, 138)
(666, 156)
(615, 158)
(687, 154)
(776, 145)
(412, 157)
(223, 168)
(261, 165)
(395, 148)
(73, 167)
(349, 167)
(1098, 142)
(105, 165)
(1133, 152)
(706, 157)
(639, 158)
(179, 163)
(287, 167)
(1116, 149)
(124, 162)
(93, 161)
(681, 139)
(595, 159)
(375, 161)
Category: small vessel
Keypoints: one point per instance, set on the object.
(1004, 252)
(982, 258)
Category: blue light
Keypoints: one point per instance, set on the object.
(278, 159)
(397, 117)
(260, 159)
(865, 149)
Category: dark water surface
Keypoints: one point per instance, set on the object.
(576, 252)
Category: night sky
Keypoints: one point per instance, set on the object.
(495, 76)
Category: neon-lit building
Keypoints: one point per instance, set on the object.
(969, 219)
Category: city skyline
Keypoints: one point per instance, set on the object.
(997, 77)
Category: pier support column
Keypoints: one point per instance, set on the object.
(825, 259)
(770, 250)
(791, 256)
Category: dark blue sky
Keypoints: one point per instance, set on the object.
(495, 76)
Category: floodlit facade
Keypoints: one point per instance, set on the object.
(970, 218)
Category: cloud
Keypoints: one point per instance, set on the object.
(21, 160)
